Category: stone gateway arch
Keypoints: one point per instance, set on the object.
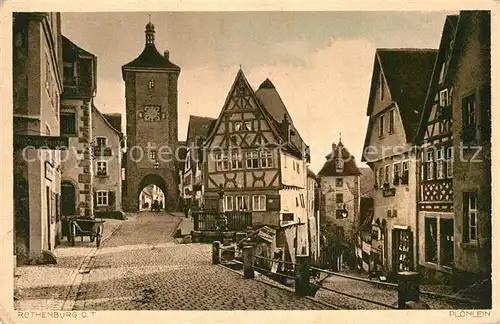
(151, 110)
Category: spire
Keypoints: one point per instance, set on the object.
(150, 33)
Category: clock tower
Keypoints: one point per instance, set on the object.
(151, 110)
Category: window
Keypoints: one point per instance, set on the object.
(391, 121)
(339, 182)
(293, 165)
(429, 165)
(396, 173)
(102, 198)
(339, 198)
(386, 173)
(381, 86)
(266, 159)
(188, 160)
(449, 162)
(339, 165)
(236, 161)
(469, 118)
(68, 123)
(248, 125)
(406, 172)
(287, 217)
(151, 84)
(430, 240)
(237, 126)
(68, 73)
(440, 164)
(102, 168)
(302, 201)
(381, 126)
(100, 141)
(259, 203)
(443, 98)
(381, 175)
(221, 162)
(252, 160)
(228, 203)
(296, 202)
(153, 155)
(470, 217)
(241, 203)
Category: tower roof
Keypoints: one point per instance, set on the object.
(150, 58)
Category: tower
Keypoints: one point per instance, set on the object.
(151, 110)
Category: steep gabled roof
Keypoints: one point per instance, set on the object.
(151, 58)
(447, 35)
(407, 73)
(114, 120)
(311, 174)
(366, 182)
(198, 126)
(98, 113)
(71, 50)
(339, 151)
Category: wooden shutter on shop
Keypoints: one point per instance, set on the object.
(273, 203)
(111, 198)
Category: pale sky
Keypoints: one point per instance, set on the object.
(320, 62)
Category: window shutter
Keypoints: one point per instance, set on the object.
(111, 198)
(273, 203)
(95, 198)
(485, 113)
(465, 213)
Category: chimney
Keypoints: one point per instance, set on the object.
(166, 54)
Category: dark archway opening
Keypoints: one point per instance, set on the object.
(68, 198)
(152, 193)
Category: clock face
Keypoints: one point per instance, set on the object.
(152, 113)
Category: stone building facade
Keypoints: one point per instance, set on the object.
(37, 85)
(80, 86)
(398, 88)
(151, 118)
(471, 108)
(107, 162)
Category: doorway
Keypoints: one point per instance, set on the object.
(68, 199)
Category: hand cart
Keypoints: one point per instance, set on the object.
(86, 227)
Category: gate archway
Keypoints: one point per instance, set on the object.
(152, 179)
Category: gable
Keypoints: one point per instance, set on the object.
(242, 106)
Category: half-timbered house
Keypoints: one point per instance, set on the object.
(257, 162)
(435, 182)
(191, 172)
(398, 88)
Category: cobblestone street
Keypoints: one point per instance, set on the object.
(143, 267)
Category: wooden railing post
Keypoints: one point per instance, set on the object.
(216, 252)
(302, 275)
(248, 272)
(408, 288)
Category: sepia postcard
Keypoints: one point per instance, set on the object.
(320, 162)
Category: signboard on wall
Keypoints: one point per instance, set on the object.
(49, 171)
(41, 142)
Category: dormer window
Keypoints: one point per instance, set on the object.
(339, 165)
(151, 84)
(381, 87)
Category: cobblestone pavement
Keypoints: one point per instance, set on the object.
(142, 267)
(50, 287)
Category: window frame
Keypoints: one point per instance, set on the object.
(339, 180)
(392, 117)
(444, 98)
(440, 164)
(248, 126)
(106, 196)
(429, 165)
(449, 161)
(64, 115)
(260, 199)
(97, 138)
(241, 200)
(221, 161)
(99, 167)
(381, 122)
(396, 175)
(266, 159)
(468, 213)
(238, 126)
(225, 203)
(251, 159)
(236, 160)
(387, 174)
